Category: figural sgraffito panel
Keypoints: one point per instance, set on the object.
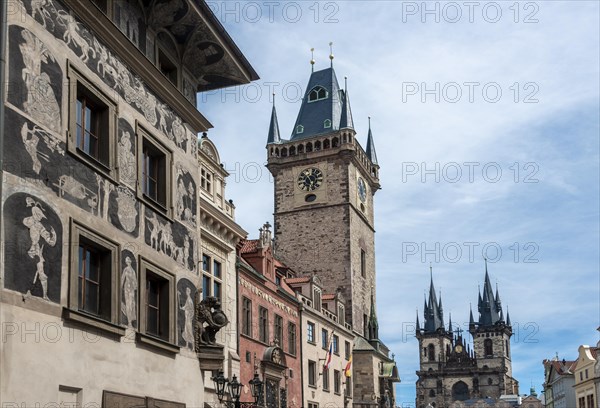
(100, 60)
(186, 296)
(129, 289)
(185, 197)
(35, 79)
(33, 254)
(171, 239)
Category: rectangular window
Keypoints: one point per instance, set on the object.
(365, 325)
(590, 400)
(363, 263)
(157, 304)
(312, 373)
(581, 402)
(310, 332)
(336, 347)
(292, 338)
(263, 324)
(337, 381)
(347, 350)
(278, 327)
(211, 277)
(341, 315)
(206, 180)
(154, 172)
(167, 67)
(317, 299)
(94, 289)
(94, 278)
(348, 386)
(325, 379)
(247, 316)
(324, 339)
(313, 405)
(92, 124)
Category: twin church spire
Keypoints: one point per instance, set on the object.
(489, 308)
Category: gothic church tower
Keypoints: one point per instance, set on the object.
(324, 187)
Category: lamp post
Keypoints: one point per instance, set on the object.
(234, 389)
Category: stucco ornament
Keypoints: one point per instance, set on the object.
(209, 320)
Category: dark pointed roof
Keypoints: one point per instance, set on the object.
(434, 319)
(418, 324)
(312, 115)
(346, 121)
(490, 309)
(274, 135)
(371, 154)
(373, 325)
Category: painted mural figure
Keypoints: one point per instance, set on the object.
(129, 285)
(41, 103)
(72, 34)
(39, 6)
(189, 310)
(126, 211)
(38, 231)
(127, 166)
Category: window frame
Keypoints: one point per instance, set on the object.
(211, 276)
(78, 230)
(336, 344)
(146, 137)
(326, 379)
(246, 316)
(310, 333)
(324, 339)
(292, 338)
(167, 343)
(337, 382)
(347, 350)
(263, 324)
(278, 329)
(206, 180)
(312, 373)
(78, 83)
(363, 263)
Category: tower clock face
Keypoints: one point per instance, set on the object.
(362, 190)
(310, 179)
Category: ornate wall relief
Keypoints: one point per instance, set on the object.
(185, 197)
(129, 289)
(126, 154)
(35, 79)
(186, 309)
(33, 255)
(171, 239)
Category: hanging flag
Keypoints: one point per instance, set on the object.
(348, 369)
(328, 356)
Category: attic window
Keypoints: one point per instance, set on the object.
(327, 124)
(317, 93)
(299, 129)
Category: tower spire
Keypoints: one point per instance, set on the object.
(373, 326)
(371, 154)
(346, 121)
(274, 135)
(418, 324)
(434, 319)
(312, 60)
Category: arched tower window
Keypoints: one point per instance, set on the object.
(431, 352)
(506, 344)
(488, 348)
(460, 391)
(317, 93)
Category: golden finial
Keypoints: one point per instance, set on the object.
(312, 59)
(331, 52)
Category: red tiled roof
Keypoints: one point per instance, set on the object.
(558, 366)
(250, 245)
(594, 351)
(300, 279)
(328, 296)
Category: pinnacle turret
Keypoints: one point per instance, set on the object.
(371, 154)
(274, 135)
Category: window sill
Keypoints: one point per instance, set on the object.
(312, 342)
(312, 386)
(156, 206)
(157, 343)
(90, 320)
(337, 393)
(90, 161)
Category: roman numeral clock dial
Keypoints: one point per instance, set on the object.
(310, 179)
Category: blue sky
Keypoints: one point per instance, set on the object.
(517, 114)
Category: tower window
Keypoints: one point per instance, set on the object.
(431, 352)
(488, 348)
(327, 124)
(299, 129)
(317, 93)
(363, 263)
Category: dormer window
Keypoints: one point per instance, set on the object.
(317, 93)
(299, 129)
(327, 124)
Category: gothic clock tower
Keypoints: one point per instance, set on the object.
(325, 183)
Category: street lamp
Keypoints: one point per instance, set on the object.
(234, 387)
(256, 386)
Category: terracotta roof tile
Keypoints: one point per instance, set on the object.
(300, 279)
(328, 296)
(594, 351)
(249, 246)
